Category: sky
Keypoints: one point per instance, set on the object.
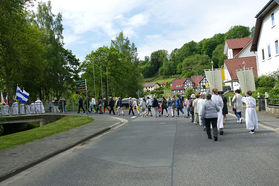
(151, 24)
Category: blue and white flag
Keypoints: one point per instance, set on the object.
(22, 96)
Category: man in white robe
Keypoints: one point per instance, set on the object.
(15, 108)
(22, 109)
(5, 110)
(251, 117)
(217, 99)
(32, 108)
(28, 109)
(38, 105)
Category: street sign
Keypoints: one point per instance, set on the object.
(81, 85)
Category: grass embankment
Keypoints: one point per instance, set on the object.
(61, 125)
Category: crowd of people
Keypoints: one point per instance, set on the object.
(206, 110)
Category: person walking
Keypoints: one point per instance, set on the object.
(119, 107)
(106, 105)
(135, 105)
(251, 118)
(200, 105)
(149, 105)
(219, 102)
(80, 105)
(187, 106)
(173, 106)
(131, 108)
(193, 97)
(195, 105)
(179, 105)
(210, 114)
(237, 101)
(111, 106)
(92, 105)
(164, 106)
(143, 107)
(155, 106)
(170, 107)
(225, 107)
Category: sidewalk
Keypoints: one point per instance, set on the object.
(265, 119)
(19, 158)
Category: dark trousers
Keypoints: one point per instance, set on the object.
(213, 122)
(238, 115)
(165, 108)
(80, 106)
(131, 109)
(193, 116)
(111, 110)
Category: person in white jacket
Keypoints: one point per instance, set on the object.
(251, 118)
(196, 113)
(237, 101)
(200, 105)
(217, 99)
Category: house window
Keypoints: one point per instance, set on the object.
(263, 54)
(269, 51)
(272, 19)
(276, 47)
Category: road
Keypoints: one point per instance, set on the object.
(163, 151)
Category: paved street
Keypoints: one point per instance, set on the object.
(163, 151)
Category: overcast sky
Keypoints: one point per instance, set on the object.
(150, 24)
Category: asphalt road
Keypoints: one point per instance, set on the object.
(163, 151)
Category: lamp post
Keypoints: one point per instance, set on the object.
(94, 78)
(101, 79)
(213, 74)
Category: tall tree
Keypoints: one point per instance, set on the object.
(238, 32)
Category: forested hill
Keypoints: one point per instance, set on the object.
(192, 58)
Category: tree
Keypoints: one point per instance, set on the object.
(195, 65)
(157, 59)
(218, 56)
(238, 32)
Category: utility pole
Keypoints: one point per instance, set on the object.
(107, 83)
(101, 80)
(94, 78)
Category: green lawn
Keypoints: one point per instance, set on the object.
(61, 125)
(160, 79)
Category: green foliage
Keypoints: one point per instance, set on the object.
(218, 56)
(189, 91)
(265, 82)
(238, 32)
(195, 65)
(61, 125)
(274, 93)
(118, 64)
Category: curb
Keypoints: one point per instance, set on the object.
(32, 164)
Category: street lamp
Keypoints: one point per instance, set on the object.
(94, 78)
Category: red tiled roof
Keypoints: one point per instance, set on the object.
(238, 43)
(196, 80)
(237, 63)
(150, 84)
(178, 84)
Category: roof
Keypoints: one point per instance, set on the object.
(238, 43)
(237, 64)
(248, 44)
(196, 80)
(152, 84)
(260, 16)
(178, 84)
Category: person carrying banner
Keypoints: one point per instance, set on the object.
(251, 118)
(217, 99)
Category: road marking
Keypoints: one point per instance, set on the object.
(133, 117)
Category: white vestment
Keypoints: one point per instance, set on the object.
(22, 109)
(38, 105)
(28, 109)
(15, 108)
(251, 117)
(219, 102)
(32, 108)
(5, 110)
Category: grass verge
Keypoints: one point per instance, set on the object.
(61, 125)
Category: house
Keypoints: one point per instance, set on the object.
(236, 48)
(188, 84)
(266, 37)
(162, 84)
(150, 87)
(178, 86)
(200, 84)
(232, 65)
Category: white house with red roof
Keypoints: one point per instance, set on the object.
(266, 38)
(150, 86)
(178, 86)
(235, 48)
(238, 52)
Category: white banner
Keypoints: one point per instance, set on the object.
(214, 78)
(246, 80)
